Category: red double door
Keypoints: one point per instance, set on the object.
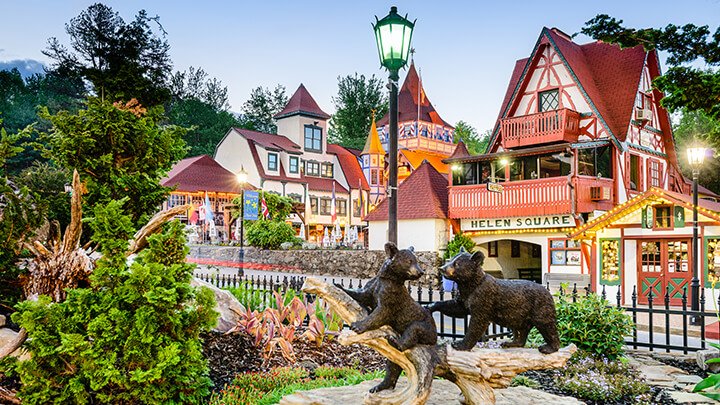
(664, 265)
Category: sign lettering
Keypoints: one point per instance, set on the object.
(549, 221)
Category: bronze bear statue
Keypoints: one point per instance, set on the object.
(389, 303)
(519, 305)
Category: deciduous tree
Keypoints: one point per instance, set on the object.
(475, 143)
(263, 104)
(357, 98)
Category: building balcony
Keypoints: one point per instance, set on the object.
(535, 197)
(542, 128)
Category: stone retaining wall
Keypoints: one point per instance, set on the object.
(338, 263)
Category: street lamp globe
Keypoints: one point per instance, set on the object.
(696, 155)
(393, 34)
(242, 176)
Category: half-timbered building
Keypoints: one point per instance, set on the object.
(580, 132)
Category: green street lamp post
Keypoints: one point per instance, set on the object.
(393, 34)
(696, 155)
(242, 179)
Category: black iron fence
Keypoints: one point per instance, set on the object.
(656, 326)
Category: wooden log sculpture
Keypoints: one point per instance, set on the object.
(476, 373)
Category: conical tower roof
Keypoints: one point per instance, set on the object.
(302, 103)
(373, 145)
(412, 99)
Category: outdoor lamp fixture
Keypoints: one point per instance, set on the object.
(393, 34)
(696, 155)
(242, 179)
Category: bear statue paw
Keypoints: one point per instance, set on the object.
(357, 327)
(462, 345)
(547, 349)
(394, 342)
(382, 387)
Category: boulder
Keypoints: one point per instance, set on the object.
(704, 355)
(225, 304)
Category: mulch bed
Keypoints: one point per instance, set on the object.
(688, 365)
(235, 353)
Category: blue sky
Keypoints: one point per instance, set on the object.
(465, 50)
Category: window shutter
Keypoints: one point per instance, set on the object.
(641, 180)
(679, 216)
(627, 170)
(643, 216)
(648, 174)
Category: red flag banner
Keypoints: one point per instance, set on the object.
(264, 208)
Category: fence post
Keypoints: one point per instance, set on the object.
(650, 318)
(702, 317)
(634, 316)
(667, 318)
(619, 297)
(574, 293)
(685, 320)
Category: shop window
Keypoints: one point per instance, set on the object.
(596, 162)
(313, 138)
(314, 205)
(470, 173)
(565, 252)
(485, 172)
(325, 206)
(175, 199)
(712, 262)
(312, 169)
(342, 207)
(554, 165)
(516, 170)
(357, 208)
(548, 100)
(514, 248)
(272, 161)
(295, 197)
(327, 170)
(663, 218)
(529, 167)
(498, 173)
(294, 164)
(492, 248)
(610, 266)
(374, 177)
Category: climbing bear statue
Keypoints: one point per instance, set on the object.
(389, 303)
(515, 304)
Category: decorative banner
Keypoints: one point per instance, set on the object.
(250, 205)
(549, 221)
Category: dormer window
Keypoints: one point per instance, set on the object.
(312, 168)
(313, 138)
(548, 100)
(272, 162)
(294, 164)
(327, 170)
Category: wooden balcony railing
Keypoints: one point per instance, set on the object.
(545, 127)
(527, 198)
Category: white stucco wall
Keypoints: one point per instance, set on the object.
(233, 153)
(423, 234)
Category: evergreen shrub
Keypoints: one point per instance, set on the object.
(131, 337)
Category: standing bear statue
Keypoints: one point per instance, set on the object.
(519, 305)
(388, 302)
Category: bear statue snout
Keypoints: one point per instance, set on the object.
(415, 272)
(448, 270)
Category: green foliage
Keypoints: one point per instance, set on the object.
(131, 337)
(357, 98)
(524, 381)
(460, 240)
(121, 150)
(268, 234)
(263, 104)
(696, 126)
(47, 183)
(250, 297)
(693, 80)
(207, 125)
(592, 324)
(710, 385)
(196, 84)
(121, 60)
(475, 143)
(588, 377)
(269, 388)
(19, 217)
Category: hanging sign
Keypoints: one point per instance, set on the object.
(490, 224)
(495, 187)
(250, 205)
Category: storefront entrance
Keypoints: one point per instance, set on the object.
(663, 264)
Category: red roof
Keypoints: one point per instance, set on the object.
(302, 103)
(411, 94)
(323, 184)
(281, 176)
(460, 151)
(424, 194)
(202, 173)
(608, 75)
(350, 166)
(270, 141)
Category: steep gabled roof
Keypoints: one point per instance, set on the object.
(460, 151)
(350, 166)
(373, 144)
(709, 209)
(410, 96)
(417, 158)
(607, 75)
(424, 194)
(323, 184)
(302, 103)
(270, 141)
(202, 173)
